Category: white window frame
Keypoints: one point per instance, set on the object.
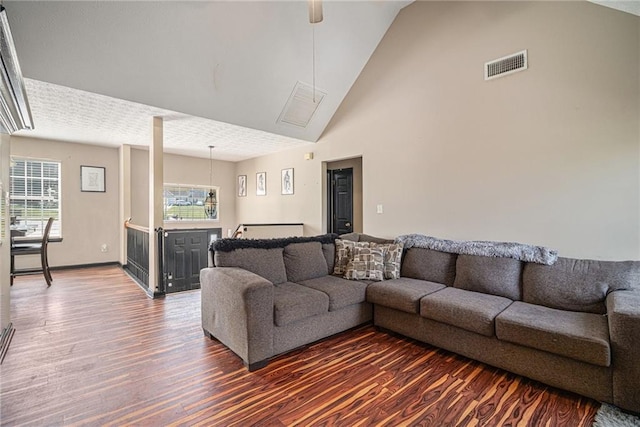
(191, 202)
(35, 226)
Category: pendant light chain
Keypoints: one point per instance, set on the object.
(313, 37)
(211, 166)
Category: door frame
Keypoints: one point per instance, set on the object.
(356, 163)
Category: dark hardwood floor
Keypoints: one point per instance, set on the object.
(94, 350)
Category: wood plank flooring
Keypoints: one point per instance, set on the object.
(94, 350)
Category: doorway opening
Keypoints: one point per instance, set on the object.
(344, 196)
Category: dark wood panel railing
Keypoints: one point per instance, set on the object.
(138, 253)
(176, 270)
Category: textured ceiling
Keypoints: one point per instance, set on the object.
(232, 62)
(73, 115)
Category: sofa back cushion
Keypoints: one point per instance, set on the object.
(352, 237)
(374, 239)
(304, 261)
(577, 284)
(489, 275)
(426, 264)
(268, 263)
(329, 251)
(359, 237)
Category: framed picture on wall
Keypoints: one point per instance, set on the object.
(261, 184)
(92, 179)
(242, 185)
(287, 181)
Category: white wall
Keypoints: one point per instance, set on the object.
(89, 220)
(189, 171)
(547, 156)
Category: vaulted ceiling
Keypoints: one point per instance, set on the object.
(212, 68)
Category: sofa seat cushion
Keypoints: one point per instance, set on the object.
(304, 261)
(341, 292)
(472, 311)
(579, 336)
(426, 264)
(489, 275)
(403, 294)
(293, 302)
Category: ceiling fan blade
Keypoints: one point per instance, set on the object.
(315, 11)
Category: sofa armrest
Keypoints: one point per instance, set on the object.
(623, 311)
(237, 309)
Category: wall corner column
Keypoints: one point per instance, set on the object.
(124, 154)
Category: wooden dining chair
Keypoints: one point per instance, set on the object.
(18, 249)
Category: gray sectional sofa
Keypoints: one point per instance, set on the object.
(266, 297)
(574, 325)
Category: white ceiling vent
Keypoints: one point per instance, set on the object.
(301, 105)
(506, 65)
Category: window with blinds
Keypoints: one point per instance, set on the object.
(35, 196)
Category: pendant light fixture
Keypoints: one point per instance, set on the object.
(315, 11)
(211, 203)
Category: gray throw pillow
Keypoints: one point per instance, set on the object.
(392, 258)
(366, 264)
(344, 254)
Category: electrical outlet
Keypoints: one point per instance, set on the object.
(379, 209)
(104, 248)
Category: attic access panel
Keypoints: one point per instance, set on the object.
(301, 105)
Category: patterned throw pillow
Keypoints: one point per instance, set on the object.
(344, 254)
(392, 259)
(367, 264)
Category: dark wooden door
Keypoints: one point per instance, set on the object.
(341, 201)
(185, 254)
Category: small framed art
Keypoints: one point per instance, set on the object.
(287, 181)
(242, 185)
(261, 184)
(92, 179)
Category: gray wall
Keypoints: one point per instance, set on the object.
(547, 156)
